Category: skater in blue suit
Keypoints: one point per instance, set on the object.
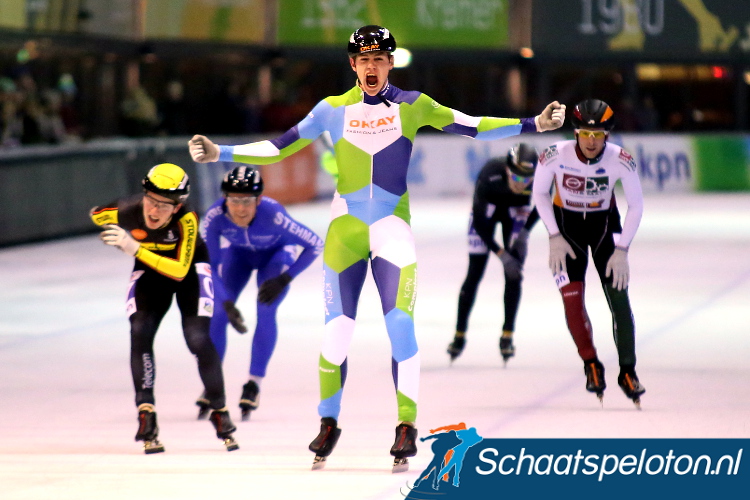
(245, 232)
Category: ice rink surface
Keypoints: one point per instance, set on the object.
(67, 417)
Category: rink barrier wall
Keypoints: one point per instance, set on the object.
(47, 191)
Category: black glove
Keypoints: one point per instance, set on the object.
(512, 266)
(520, 247)
(235, 316)
(272, 288)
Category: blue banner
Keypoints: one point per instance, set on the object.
(467, 466)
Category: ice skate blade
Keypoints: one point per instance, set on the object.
(600, 395)
(151, 447)
(319, 462)
(231, 444)
(637, 403)
(203, 413)
(246, 415)
(400, 465)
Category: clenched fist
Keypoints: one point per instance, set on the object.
(551, 118)
(202, 149)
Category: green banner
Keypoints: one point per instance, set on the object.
(723, 163)
(443, 24)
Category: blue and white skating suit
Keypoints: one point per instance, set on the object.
(268, 245)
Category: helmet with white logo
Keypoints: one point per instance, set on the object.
(168, 180)
(593, 113)
(522, 159)
(243, 179)
(371, 38)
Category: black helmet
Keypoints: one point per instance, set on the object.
(371, 38)
(168, 180)
(522, 159)
(243, 179)
(593, 113)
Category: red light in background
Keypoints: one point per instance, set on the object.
(718, 72)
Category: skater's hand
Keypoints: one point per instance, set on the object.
(235, 316)
(520, 247)
(559, 249)
(202, 149)
(618, 267)
(551, 118)
(513, 267)
(272, 288)
(117, 237)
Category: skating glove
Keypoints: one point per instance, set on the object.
(235, 316)
(513, 267)
(116, 236)
(559, 248)
(202, 149)
(520, 247)
(618, 267)
(551, 118)
(272, 288)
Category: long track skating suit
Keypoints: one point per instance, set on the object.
(581, 210)
(372, 138)
(494, 203)
(269, 246)
(171, 262)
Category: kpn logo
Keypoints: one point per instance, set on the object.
(442, 476)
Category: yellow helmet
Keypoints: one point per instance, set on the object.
(169, 180)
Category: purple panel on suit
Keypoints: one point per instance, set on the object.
(390, 165)
(286, 139)
(387, 277)
(455, 128)
(351, 280)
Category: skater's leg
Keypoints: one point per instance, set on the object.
(234, 273)
(478, 255)
(577, 319)
(266, 329)
(623, 324)
(149, 298)
(192, 300)
(394, 267)
(347, 248)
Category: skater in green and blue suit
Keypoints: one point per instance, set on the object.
(372, 127)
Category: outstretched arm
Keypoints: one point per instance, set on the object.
(203, 150)
(486, 127)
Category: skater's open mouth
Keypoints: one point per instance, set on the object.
(371, 80)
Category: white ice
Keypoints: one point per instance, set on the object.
(67, 417)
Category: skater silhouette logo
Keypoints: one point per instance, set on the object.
(451, 442)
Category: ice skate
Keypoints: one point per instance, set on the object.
(628, 382)
(148, 430)
(249, 400)
(456, 347)
(224, 428)
(507, 349)
(203, 406)
(595, 382)
(324, 443)
(404, 446)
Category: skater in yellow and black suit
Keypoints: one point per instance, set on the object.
(171, 259)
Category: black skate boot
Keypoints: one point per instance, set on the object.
(203, 406)
(325, 441)
(456, 347)
(405, 446)
(249, 400)
(595, 382)
(507, 349)
(628, 382)
(224, 428)
(148, 429)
